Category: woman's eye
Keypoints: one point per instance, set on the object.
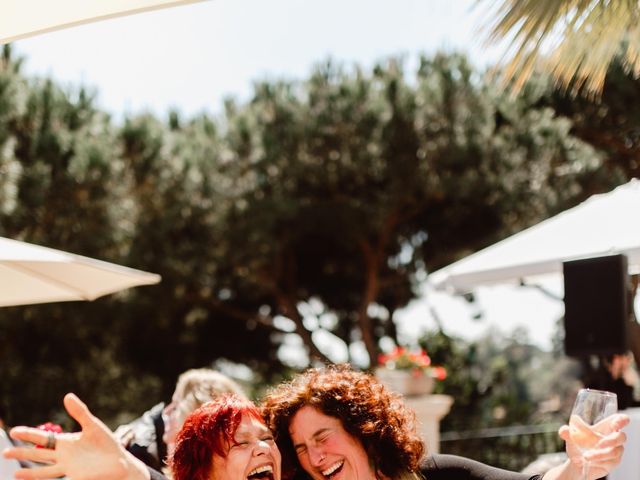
(240, 444)
(267, 438)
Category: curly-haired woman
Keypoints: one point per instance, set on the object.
(335, 423)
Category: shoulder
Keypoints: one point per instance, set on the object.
(155, 475)
(452, 467)
(436, 466)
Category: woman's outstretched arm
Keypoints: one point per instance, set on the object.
(91, 454)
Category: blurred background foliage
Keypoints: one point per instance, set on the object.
(311, 212)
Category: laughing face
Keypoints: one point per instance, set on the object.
(325, 450)
(253, 454)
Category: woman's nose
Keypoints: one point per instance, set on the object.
(316, 456)
(262, 446)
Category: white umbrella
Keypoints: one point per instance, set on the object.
(603, 224)
(32, 274)
(24, 18)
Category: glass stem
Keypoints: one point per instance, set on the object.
(585, 470)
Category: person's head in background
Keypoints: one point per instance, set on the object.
(225, 439)
(618, 364)
(336, 421)
(194, 388)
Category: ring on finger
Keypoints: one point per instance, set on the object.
(51, 441)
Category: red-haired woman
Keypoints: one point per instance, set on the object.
(225, 439)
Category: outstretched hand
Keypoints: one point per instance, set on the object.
(607, 453)
(92, 453)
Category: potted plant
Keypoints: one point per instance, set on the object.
(408, 372)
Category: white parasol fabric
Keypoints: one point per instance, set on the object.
(24, 18)
(31, 274)
(604, 224)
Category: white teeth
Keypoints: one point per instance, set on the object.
(262, 469)
(332, 468)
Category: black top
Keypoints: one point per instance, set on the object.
(147, 443)
(448, 467)
(452, 467)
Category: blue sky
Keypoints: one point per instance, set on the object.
(190, 58)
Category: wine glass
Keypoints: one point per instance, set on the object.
(590, 408)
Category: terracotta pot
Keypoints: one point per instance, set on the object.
(406, 382)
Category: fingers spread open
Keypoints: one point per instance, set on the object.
(53, 471)
(78, 410)
(28, 434)
(31, 454)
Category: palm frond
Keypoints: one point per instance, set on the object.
(574, 40)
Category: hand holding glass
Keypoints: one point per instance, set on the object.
(590, 408)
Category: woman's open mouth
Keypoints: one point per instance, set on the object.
(333, 469)
(264, 472)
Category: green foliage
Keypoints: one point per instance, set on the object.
(141, 196)
(62, 185)
(362, 181)
(502, 379)
(314, 209)
(609, 124)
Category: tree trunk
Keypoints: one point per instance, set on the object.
(369, 295)
(373, 258)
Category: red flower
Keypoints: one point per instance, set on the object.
(49, 427)
(439, 373)
(418, 362)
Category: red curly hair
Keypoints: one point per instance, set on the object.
(206, 432)
(367, 410)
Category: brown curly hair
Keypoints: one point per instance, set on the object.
(367, 410)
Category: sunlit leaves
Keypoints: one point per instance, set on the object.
(574, 40)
